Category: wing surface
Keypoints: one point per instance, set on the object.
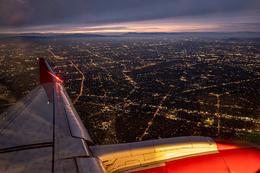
(43, 132)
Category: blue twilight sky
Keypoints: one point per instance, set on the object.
(119, 16)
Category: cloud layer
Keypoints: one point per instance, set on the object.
(88, 13)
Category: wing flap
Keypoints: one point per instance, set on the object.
(77, 128)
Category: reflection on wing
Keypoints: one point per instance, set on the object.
(179, 155)
(43, 133)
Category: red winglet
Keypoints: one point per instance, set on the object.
(45, 70)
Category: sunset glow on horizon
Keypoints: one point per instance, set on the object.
(118, 17)
(145, 26)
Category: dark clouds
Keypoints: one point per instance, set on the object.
(27, 13)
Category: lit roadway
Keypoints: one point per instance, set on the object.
(133, 83)
(158, 108)
(81, 88)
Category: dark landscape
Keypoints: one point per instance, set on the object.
(166, 84)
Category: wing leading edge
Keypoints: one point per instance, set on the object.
(43, 133)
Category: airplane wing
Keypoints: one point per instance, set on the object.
(43, 133)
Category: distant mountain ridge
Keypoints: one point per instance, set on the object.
(38, 37)
(196, 34)
(225, 35)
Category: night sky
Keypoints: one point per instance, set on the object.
(120, 16)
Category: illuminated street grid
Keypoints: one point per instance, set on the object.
(145, 88)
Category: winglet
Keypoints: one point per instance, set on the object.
(46, 73)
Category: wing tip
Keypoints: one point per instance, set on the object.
(45, 70)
